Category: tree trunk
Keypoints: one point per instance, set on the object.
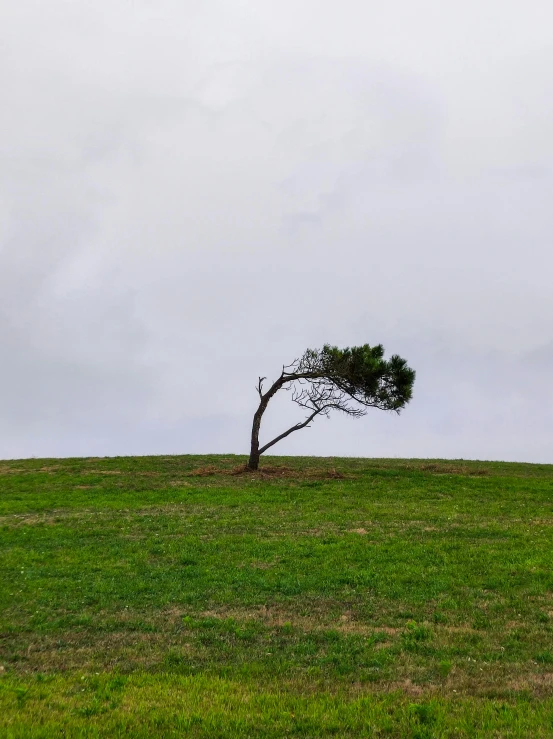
(253, 462)
(255, 454)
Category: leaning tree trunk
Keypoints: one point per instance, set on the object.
(253, 462)
(255, 452)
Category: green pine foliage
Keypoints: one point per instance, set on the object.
(363, 374)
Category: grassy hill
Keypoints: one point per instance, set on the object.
(176, 596)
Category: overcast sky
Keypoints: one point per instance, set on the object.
(192, 192)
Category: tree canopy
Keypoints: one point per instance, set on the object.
(350, 380)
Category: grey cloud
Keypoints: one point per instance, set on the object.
(193, 193)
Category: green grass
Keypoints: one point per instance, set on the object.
(167, 596)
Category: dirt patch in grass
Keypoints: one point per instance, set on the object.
(408, 687)
(457, 629)
(311, 473)
(125, 650)
(268, 472)
(540, 684)
(129, 640)
(262, 565)
(207, 471)
(317, 621)
(450, 469)
(265, 471)
(29, 519)
(539, 522)
(437, 468)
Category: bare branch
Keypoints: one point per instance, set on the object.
(296, 427)
(260, 386)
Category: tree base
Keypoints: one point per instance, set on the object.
(253, 461)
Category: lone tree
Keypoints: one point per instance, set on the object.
(348, 380)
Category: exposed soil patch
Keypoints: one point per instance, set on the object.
(126, 650)
(449, 469)
(278, 617)
(410, 688)
(269, 472)
(262, 565)
(313, 473)
(206, 471)
(265, 471)
(436, 468)
(334, 474)
(541, 684)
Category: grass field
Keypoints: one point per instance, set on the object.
(169, 596)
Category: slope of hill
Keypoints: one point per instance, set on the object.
(173, 596)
